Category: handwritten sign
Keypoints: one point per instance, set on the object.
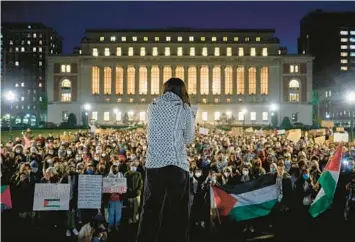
(90, 191)
(327, 124)
(237, 131)
(319, 140)
(203, 131)
(114, 185)
(281, 132)
(340, 129)
(49, 197)
(294, 135)
(341, 137)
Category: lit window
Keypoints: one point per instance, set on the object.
(179, 51)
(66, 91)
(352, 47)
(240, 51)
(22, 99)
(22, 49)
(28, 42)
(192, 80)
(258, 38)
(51, 51)
(179, 38)
(142, 52)
(204, 51)
(191, 38)
(95, 52)
(343, 68)
(95, 82)
(294, 97)
(107, 80)
(352, 40)
(29, 26)
(344, 54)
(228, 78)
(216, 100)
(203, 38)
(155, 80)
(62, 68)
(264, 53)
(264, 81)
(180, 72)
(229, 51)
(40, 63)
(294, 85)
(192, 51)
(216, 51)
(118, 51)
(11, 42)
(344, 61)
(156, 38)
(40, 49)
(167, 51)
(343, 32)
(155, 51)
(352, 32)
(131, 100)
(94, 115)
(130, 51)
(204, 116)
(130, 116)
(246, 39)
(236, 39)
(167, 73)
(330, 93)
(106, 116)
(204, 100)
(217, 116)
(16, 85)
(216, 80)
(265, 116)
(294, 68)
(204, 80)
(17, 49)
(34, 49)
(143, 80)
(252, 52)
(22, 84)
(40, 84)
(123, 38)
(344, 40)
(113, 38)
(352, 54)
(40, 99)
(252, 116)
(344, 47)
(17, 63)
(252, 80)
(118, 116)
(40, 42)
(294, 91)
(214, 38)
(142, 116)
(225, 39)
(107, 52)
(240, 116)
(240, 81)
(131, 80)
(168, 38)
(145, 38)
(119, 80)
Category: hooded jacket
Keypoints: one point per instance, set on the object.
(170, 127)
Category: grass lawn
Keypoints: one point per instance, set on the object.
(5, 135)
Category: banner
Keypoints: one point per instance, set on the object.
(341, 137)
(319, 140)
(327, 124)
(6, 202)
(90, 191)
(67, 138)
(49, 197)
(114, 185)
(203, 131)
(281, 132)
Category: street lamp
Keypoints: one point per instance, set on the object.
(350, 98)
(273, 107)
(244, 111)
(11, 97)
(87, 108)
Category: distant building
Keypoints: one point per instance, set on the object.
(119, 72)
(24, 52)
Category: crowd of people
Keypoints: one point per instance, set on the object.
(219, 158)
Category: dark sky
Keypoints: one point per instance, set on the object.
(70, 19)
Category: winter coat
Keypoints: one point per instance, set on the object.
(134, 184)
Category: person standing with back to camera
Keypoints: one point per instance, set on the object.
(166, 190)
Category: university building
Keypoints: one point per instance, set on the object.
(237, 72)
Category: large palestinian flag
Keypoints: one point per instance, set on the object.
(246, 201)
(328, 181)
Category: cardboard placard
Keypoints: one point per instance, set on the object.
(90, 191)
(203, 131)
(114, 185)
(249, 130)
(294, 135)
(51, 197)
(341, 137)
(340, 129)
(327, 124)
(316, 132)
(281, 132)
(237, 131)
(319, 140)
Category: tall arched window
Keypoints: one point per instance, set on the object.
(119, 80)
(131, 80)
(294, 90)
(143, 80)
(107, 80)
(95, 80)
(240, 81)
(252, 80)
(65, 91)
(179, 72)
(167, 73)
(155, 80)
(192, 77)
(204, 80)
(264, 81)
(216, 80)
(228, 77)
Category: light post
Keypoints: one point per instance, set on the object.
(350, 98)
(273, 107)
(87, 108)
(11, 97)
(244, 111)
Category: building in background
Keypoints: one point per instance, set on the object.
(24, 52)
(240, 73)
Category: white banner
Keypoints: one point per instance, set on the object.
(203, 131)
(90, 191)
(114, 185)
(49, 197)
(341, 137)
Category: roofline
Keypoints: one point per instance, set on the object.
(180, 30)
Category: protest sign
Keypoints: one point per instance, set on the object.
(203, 131)
(319, 140)
(6, 202)
(259, 132)
(294, 135)
(327, 124)
(341, 137)
(237, 131)
(281, 132)
(50, 197)
(316, 132)
(90, 191)
(340, 129)
(114, 185)
(249, 130)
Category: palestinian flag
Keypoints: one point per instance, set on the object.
(6, 202)
(246, 201)
(328, 182)
(51, 203)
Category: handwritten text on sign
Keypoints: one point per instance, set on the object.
(114, 185)
(90, 191)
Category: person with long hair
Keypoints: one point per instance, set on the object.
(166, 191)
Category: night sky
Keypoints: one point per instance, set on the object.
(70, 19)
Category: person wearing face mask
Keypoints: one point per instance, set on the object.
(90, 169)
(198, 206)
(227, 177)
(134, 191)
(35, 171)
(18, 149)
(287, 162)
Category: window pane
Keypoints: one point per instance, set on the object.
(264, 81)
(143, 80)
(179, 72)
(106, 116)
(252, 80)
(131, 79)
(240, 81)
(204, 80)
(95, 80)
(228, 76)
(107, 80)
(252, 116)
(192, 83)
(155, 80)
(265, 116)
(119, 80)
(216, 80)
(167, 73)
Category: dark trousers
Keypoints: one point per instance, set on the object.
(165, 212)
